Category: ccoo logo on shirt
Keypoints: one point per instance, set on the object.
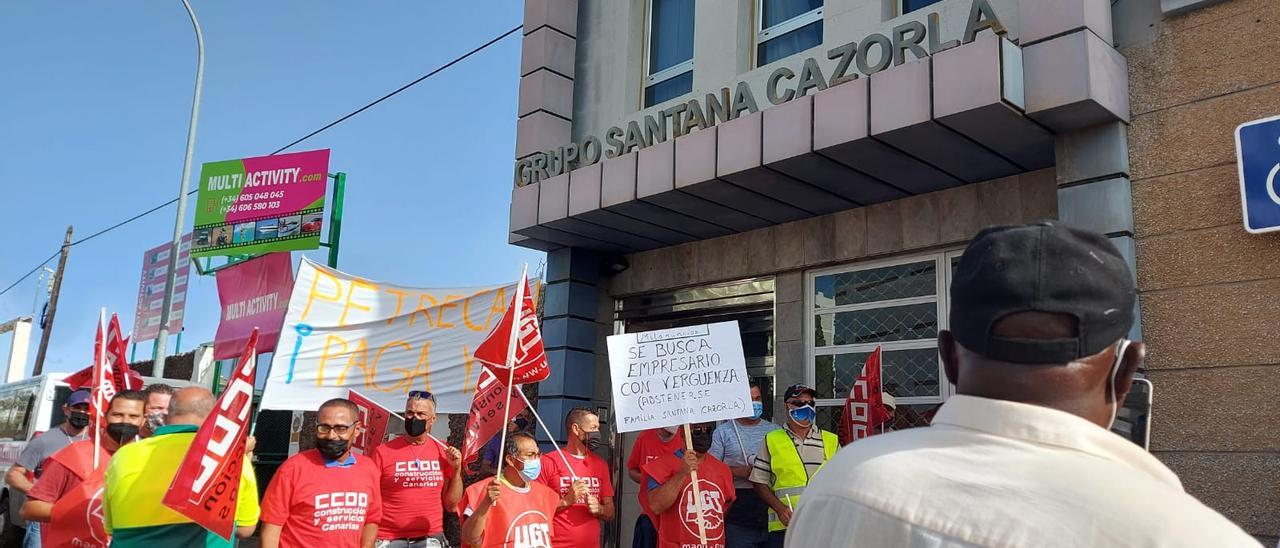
(530, 529)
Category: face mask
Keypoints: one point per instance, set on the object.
(531, 469)
(701, 442)
(1111, 386)
(757, 410)
(592, 440)
(122, 432)
(415, 427)
(155, 421)
(332, 449)
(803, 415)
(78, 419)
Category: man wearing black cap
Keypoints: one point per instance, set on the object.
(1021, 456)
(788, 459)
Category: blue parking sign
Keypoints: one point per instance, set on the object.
(1258, 155)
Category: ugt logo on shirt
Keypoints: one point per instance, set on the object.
(529, 530)
(712, 509)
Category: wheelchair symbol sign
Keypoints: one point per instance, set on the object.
(1258, 158)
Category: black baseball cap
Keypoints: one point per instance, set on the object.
(797, 389)
(1041, 267)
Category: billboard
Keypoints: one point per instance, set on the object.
(155, 265)
(254, 295)
(258, 205)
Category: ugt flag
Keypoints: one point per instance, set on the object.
(375, 419)
(530, 357)
(123, 377)
(485, 420)
(864, 408)
(207, 483)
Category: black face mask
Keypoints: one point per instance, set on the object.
(122, 432)
(78, 419)
(332, 449)
(702, 442)
(593, 441)
(415, 427)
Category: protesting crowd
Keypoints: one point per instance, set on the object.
(1021, 456)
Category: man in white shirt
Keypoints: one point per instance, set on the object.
(1021, 455)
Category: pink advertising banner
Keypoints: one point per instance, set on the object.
(155, 266)
(253, 294)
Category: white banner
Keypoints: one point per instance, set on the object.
(344, 332)
(678, 376)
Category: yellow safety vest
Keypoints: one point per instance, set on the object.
(789, 474)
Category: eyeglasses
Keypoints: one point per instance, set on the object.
(799, 402)
(701, 429)
(341, 429)
(421, 395)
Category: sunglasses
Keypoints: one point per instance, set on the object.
(701, 429)
(799, 402)
(421, 395)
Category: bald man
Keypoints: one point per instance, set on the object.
(1021, 456)
(139, 476)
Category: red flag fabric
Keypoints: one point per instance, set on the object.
(206, 486)
(77, 517)
(84, 379)
(124, 377)
(530, 359)
(485, 420)
(375, 419)
(864, 408)
(103, 386)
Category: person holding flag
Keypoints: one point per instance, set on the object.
(30, 463)
(57, 498)
(138, 479)
(327, 496)
(675, 501)
(578, 470)
(420, 480)
(513, 509)
(789, 457)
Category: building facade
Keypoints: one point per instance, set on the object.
(814, 168)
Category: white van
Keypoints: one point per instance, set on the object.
(29, 407)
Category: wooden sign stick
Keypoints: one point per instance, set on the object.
(697, 490)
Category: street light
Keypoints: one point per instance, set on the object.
(159, 352)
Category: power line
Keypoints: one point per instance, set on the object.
(277, 151)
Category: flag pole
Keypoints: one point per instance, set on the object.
(96, 392)
(518, 305)
(551, 437)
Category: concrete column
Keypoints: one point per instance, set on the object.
(569, 335)
(1094, 190)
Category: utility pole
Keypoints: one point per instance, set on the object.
(47, 327)
(159, 353)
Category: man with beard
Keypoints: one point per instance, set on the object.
(674, 500)
(577, 469)
(140, 473)
(421, 479)
(73, 467)
(32, 459)
(327, 496)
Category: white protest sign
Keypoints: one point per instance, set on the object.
(344, 332)
(678, 376)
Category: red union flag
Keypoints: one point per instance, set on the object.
(207, 483)
(121, 376)
(531, 358)
(864, 408)
(375, 419)
(485, 420)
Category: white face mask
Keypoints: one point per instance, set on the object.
(1121, 348)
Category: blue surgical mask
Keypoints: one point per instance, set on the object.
(757, 410)
(532, 469)
(803, 415)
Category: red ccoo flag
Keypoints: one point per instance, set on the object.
(864, 408)
(206, 486)
(121, 375)
(375, 419)
(530, 359)
(485, 420)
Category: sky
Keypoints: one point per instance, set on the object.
(94, 106)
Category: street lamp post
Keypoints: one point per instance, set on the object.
(159, 352)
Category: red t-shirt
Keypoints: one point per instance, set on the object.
(649, 446)
(575, 526)
(414, 478)
(322, 506)
(522, 517)
(55, 481)
(678, 526)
